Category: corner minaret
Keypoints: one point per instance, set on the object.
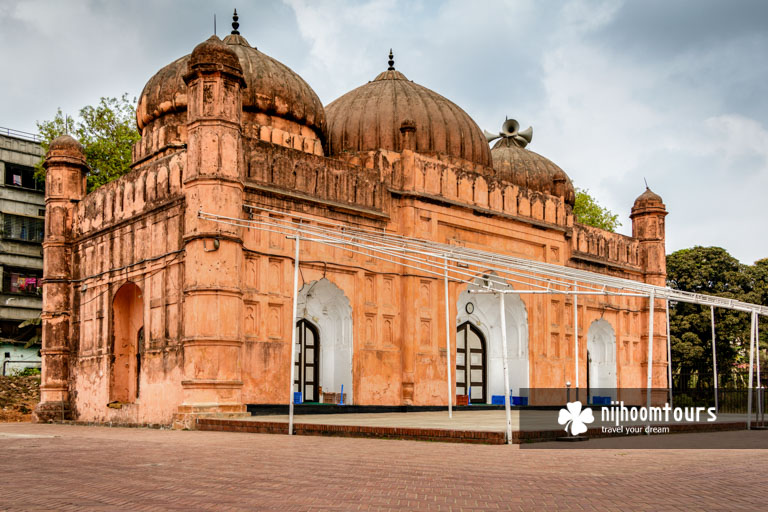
(65, 187)
(213, 184)
(647, 217)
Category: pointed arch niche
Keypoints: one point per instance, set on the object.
(127, 340)
(325, 306)
(482, 312)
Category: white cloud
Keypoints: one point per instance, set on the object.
(610, 101)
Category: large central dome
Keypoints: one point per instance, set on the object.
(371, 116)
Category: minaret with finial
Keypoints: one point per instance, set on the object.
(213, 181)
(235, 24)
(648, 229)
(391, 61)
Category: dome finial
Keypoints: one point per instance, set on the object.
(391, 61)
(235, 24)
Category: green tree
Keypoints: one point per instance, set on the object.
(711, 271)
(107, 132)
(588, 211)
(757, 276)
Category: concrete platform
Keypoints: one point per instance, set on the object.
(482, 426)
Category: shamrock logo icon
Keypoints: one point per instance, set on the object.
(572, 416)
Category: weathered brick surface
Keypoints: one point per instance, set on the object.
(62, 467)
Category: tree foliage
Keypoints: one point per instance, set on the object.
(712, 271)
(588, 211)
(107, 132)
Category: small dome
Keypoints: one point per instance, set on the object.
(65, 143)
(530, 170)
(648, 198)
(271, 87)
(66, 146)
(371, 117)
(214, 51)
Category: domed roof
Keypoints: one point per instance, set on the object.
(371, 116)
(648, 198)
(214, 51)
(271, 88)
(66, 143)
(67, 147)
(526, 169)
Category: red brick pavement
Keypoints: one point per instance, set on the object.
(64, 467)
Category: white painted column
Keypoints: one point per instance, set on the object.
(649, 383)
(293, 333)
(714, 356)
(757, 360)
(669, 356)
(503, 313)
(751, 363)
(576, 341)
(448, 341)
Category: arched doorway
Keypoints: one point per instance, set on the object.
(471, 370)
(323, 306)
(127, 343)
(601, 359)
(482, 311)
(308, 361)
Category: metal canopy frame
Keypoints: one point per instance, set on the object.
(464, 265)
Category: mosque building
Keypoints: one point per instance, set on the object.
(155, 313)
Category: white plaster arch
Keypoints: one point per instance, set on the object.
(485, 316)
(324, 304)
(601, 346)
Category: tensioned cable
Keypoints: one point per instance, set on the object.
(291, 228)
(399, 243)
(396, 245)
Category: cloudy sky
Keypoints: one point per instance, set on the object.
(670, 91)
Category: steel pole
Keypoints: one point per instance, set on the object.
(448, 342)
(293, 333)
(714, 355)
(759, 411)
(576, 341)
(503, 314)
(649, 383)
(751, 367)
(669, 355)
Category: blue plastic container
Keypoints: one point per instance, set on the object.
(497, 400)
(519, 400)
(297, 398)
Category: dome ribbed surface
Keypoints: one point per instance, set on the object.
(369, 118)
(271, 88)
(648, 198)
(530, 170)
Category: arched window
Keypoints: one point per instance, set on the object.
(127, 341)
(307, 375)
(471, 373)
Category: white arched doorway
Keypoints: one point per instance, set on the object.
(481, 311)
(601, 359)
(324, 316)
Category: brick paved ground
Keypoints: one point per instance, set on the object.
(62, 467)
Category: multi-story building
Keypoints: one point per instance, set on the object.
(22, 214)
